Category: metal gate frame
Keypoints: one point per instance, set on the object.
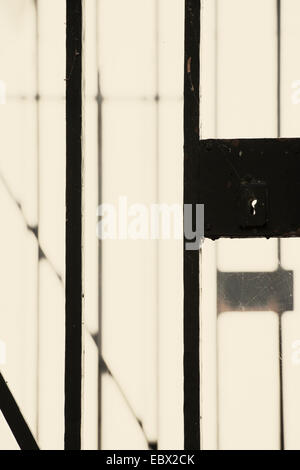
(215, 176)
(73, 291)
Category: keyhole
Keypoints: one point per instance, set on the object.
(253, 206)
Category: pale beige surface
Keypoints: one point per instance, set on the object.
(18, 273)
(291, 347)
(208, 346)
(290, 103)
(141, 281)
(248, 381)
(241, 69)
(32, 175)
(247, 255)
(239, 99)
(291, 378)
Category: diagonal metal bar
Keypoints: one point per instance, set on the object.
(15, 419)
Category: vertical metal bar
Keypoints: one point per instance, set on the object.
(216, 90)
(278, 20)
(280, 313)
(191, 360)
(281, 411)
(278, 8)
(99, 99)
(73, 341)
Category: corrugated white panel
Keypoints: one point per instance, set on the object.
(291, 347)
(240, 255)
(18, 188)
(239, 100)
(129, 301)
(51, 303)
(248, 381)
(90, 394)
(127, 48)
(290, 248)
(142, 283)
(248, 345)
(208, 346)
(170, 286)
(52, 37)
(246, 62)
(291, 378)
(208, 69)
(121, 430)
(51, 360)
(170, 37)
(52, 181)
(171, 47)
(290, 69)
(17, 47)
(91, 185)
(244, 72)
(91, 45)
(51, 17)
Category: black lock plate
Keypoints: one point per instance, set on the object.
(249, 187)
